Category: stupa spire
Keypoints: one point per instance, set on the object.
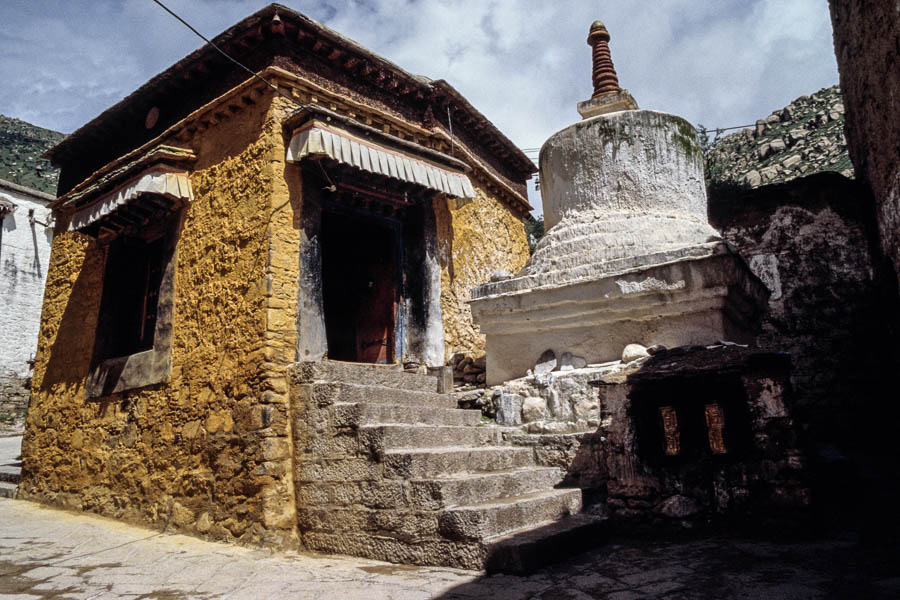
(604, 73)
(608, 96)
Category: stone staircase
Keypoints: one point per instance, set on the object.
(387, 468)
(10, 472)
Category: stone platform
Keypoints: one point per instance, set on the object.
(700, 295)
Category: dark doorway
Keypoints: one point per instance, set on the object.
(360, 280)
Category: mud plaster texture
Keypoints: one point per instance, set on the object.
(207, 450)
(811, 243)
(474, 241)
(866, 38)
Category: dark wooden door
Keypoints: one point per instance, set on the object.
(360, 287)
(378, 301)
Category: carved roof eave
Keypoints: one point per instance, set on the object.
(250, 91)
(117, 172)
(306, 111)
(341, 51)
(446, 94)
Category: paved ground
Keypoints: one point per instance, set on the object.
(47, 553)
(9, 446)
(10, 465)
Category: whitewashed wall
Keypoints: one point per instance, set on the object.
(24, 256)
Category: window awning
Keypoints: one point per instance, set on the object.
(317, 139)
(6, 205)
(157, 181)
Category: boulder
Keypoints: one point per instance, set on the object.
(632, 352)
(546, 363)
(533, 409)
(679, 507)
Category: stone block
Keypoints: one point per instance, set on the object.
(534, 408)
(509, 409)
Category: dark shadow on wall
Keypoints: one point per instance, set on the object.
(837, 311)
(813, 242)
(68, 359)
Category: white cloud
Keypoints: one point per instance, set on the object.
(524, 63)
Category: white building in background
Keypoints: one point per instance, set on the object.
(25, 237)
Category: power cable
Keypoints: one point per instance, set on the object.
(225, 54)
(269, 84)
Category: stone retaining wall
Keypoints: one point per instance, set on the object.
(866, 36)
(811, 241)
(15, 392)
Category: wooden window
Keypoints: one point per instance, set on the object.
(131, 283)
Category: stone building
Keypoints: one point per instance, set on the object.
(212, 229)
(25, 237)
(866, 35)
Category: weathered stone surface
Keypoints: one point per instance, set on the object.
(534, 408)
(26, 254)
(624, 204)
(370, 471)
(807, 240)
(15, 392)
(509, 409)
(753, 157)
(474, 241)
(138, 456)
(679, 507)
(633, 352)
(546, 362)
(657, 304)
(865, 44)
(647, 489)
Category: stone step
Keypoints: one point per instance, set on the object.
(530, 549)
(10, 474)
(386, 437)
(7, 490)
(473, 488)
(498, 516)
(518, 552)
(444, 553)
(376, 394)
(375, 375)
(427, 494)
(423, 463)
(363, 413)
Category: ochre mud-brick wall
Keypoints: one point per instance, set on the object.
(473, 242)
(207, 449)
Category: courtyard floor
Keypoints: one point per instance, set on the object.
(48, 553)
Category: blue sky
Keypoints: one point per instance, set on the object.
(524, 63)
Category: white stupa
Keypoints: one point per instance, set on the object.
(629, 255)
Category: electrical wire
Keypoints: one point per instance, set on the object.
(225, 54)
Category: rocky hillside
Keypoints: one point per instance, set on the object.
(805, 137)
(21, 146)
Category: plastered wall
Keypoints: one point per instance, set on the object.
(206, 451)
(474, 241)
(24, 256)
